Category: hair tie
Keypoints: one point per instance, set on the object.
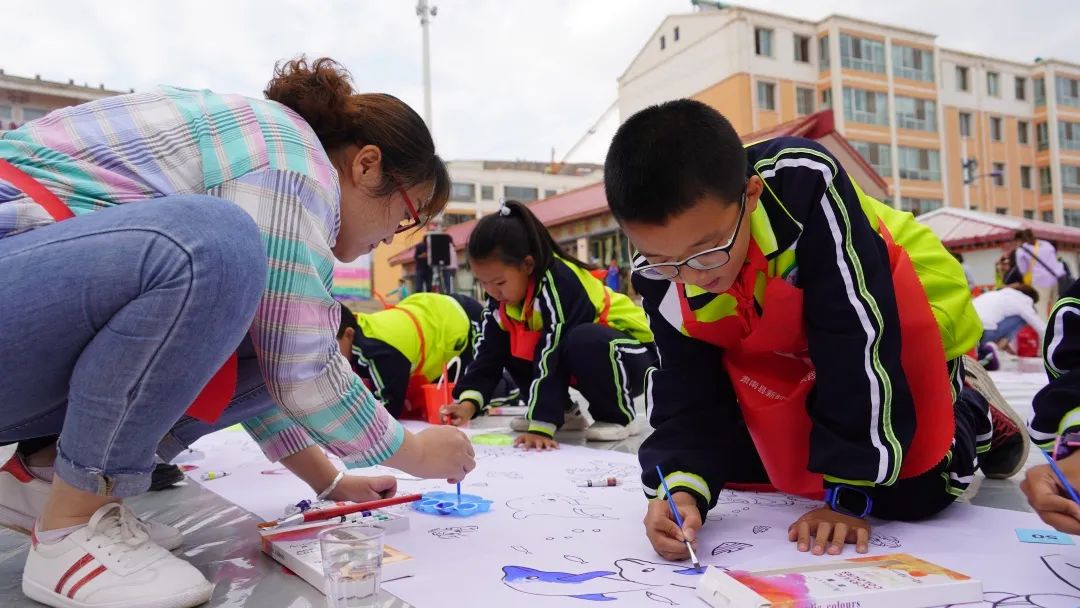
(504, 210)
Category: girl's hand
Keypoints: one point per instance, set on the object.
(533, 441)
(459, 413)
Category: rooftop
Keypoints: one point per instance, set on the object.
(61, 89)
(960, 228)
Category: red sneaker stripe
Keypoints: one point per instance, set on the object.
(85, 579)
(18, 470)
(86, 559)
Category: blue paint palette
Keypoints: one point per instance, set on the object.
(450, 503)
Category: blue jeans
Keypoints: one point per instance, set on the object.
(1006, 328)
(112, 322)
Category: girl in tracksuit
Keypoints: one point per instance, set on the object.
(552, 325)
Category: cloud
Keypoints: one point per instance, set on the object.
(511, 78)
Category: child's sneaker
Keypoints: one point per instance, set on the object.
(1010, 442)
(607, 431)
(111, 563)
(23, 497)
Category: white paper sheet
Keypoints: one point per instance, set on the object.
(546, 541)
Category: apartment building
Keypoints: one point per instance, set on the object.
(943, 127)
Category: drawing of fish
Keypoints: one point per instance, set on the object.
(654, 573)
(555, 505)
(593, 586)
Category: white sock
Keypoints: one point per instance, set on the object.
(42, 473)
(51, 537)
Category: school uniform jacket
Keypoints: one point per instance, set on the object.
(1057, 405)
(566, 296)
(819, 232)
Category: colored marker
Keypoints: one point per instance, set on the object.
(214, 475)
(339, 510)
(599, 483)
(1061, 477)
(678, 518)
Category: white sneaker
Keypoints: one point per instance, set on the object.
(574, 421)
(607, 431)
(111, 563)
(23, 497)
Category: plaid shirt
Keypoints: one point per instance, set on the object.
(266, 159)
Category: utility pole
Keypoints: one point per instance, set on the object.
(426, 12)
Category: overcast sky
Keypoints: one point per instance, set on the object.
(511, 78)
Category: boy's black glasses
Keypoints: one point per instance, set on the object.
(710, 259)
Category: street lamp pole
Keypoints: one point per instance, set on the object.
(426, 12)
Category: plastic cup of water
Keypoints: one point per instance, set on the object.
(352, 564)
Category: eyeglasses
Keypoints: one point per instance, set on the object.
(710, 259)
(411, 222)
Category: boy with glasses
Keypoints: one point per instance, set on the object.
(810, 337)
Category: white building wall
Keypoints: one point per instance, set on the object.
(472, 172)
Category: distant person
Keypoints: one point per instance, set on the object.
(402, 290)
(613, 277)
(1037, 262)
(967, 269)
(1005, 311)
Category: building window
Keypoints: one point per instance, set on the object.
(763, 42)
(1070, 179)
(962, 83)
(995, 128)
(1029, 214)
(918, 206)
(913, 113)
(1001, 210)
(826, 98)
(920, 163)
(29, 114)
(965, 124)
(862, 54)
(823, 53)
(1022, 132)
(1021, 88)
(1042, 135)
(1040, 91)
(1067, 91)
(878, 155)
(998, 174)
(802, 48)
(865, 106)
(462, 193)
(1071, 217)
(453, 219)
(549, 193)
(6, 113)
(1045, 184)
(663, 43)
(912, 63)
(993, 87)
(1025, 177)
(1048, 216)
(766, 95)
(520, 193)
(804, 101)
(676, 33)
(487, 193)
(1069, 135)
